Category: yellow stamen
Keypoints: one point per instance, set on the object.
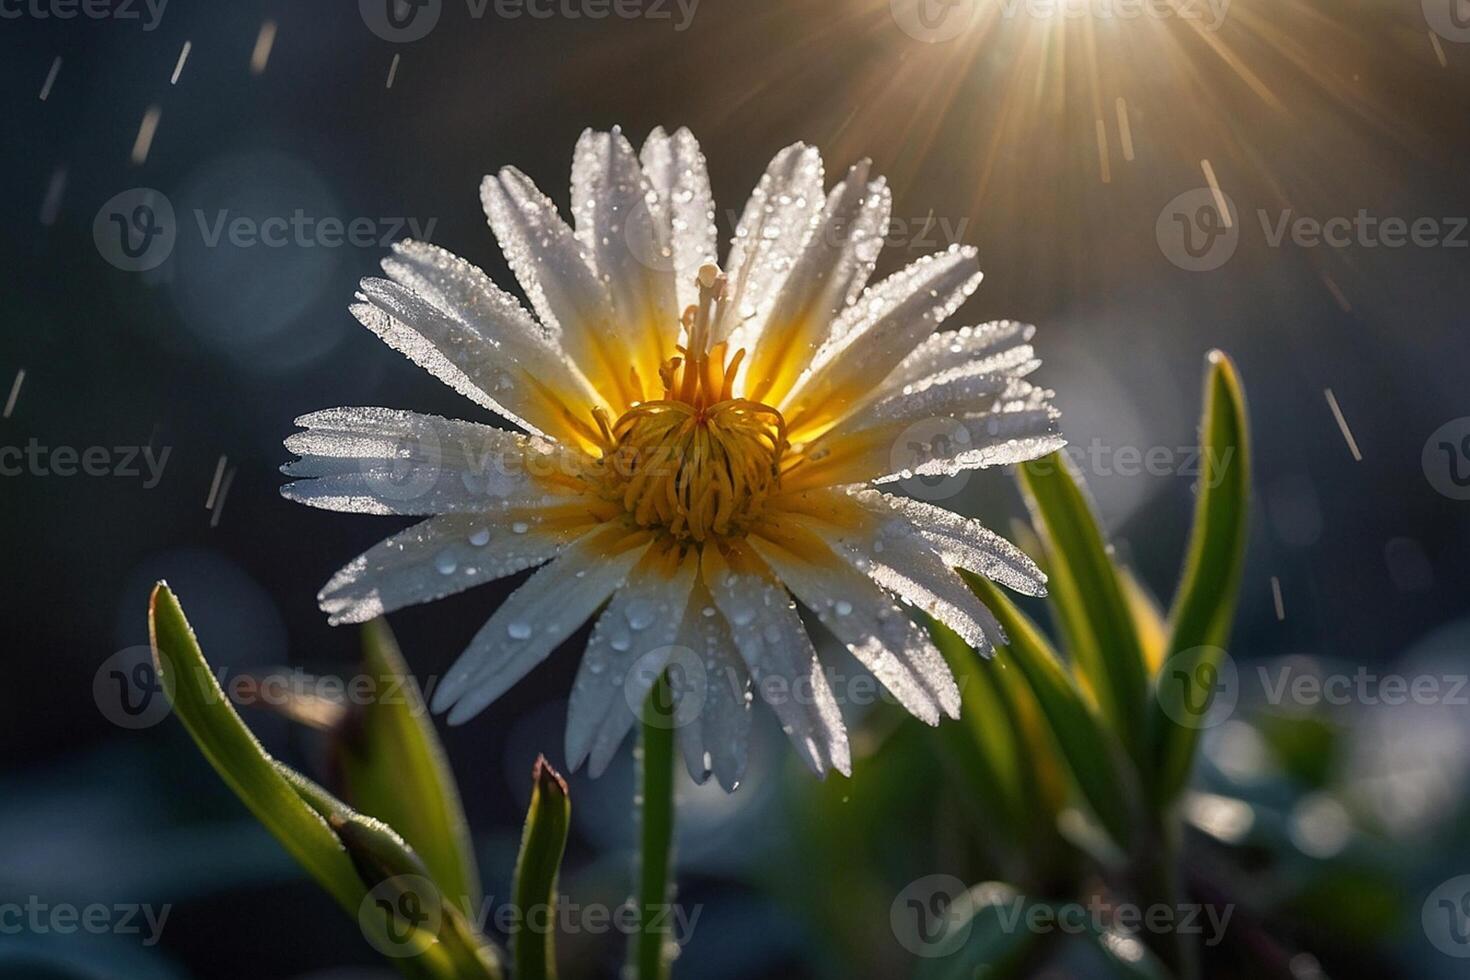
(697, 463)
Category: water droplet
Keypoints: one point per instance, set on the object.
(843, 607)
(480, 538)
(446, 563)
(519, 631)
(640, 613)
(520, 527)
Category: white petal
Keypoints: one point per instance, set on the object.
(880, 635)
(618, 232)
(831, 271)
(878, 331)
(449, 317)
(630, 647)
(384, 461)
(684, 207)
(774, 228)
(538, 616)
(433, 559)
(721, 729)
(997, 347)
(783, 664)
(966, 543)
(553, 269)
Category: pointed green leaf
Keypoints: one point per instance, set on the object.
(1088, 595)
(533, 939)
(393, 767)
(1091, 751)
(1209, 586)
(341, 849)
(239, 759)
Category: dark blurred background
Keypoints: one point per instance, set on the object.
(1056, 145)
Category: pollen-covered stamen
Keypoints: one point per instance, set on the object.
(698, 462)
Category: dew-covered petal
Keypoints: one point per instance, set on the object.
(773, 230)
(855, 610)
(614, 205)
(830, 273)
(783, 664)
(716, 737)
(385, 461)
(538, 616)
(439, 557)
(683, 207)
(449, 318)
(931, 445)
(630, 647)
(875, 334)
(964, 542)
(998, 347)
(554, 270)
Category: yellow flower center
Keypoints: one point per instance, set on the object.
(698, 462)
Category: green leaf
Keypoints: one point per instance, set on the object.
(239, 759)
(1204, 605)
(393, 767)
(1088, 595)
(533, 941)
(988, 745)
(1092, 752)
(347, 853)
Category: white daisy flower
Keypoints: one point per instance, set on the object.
(700, 448)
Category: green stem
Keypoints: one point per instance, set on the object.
(1158, 883)
(656, 784)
